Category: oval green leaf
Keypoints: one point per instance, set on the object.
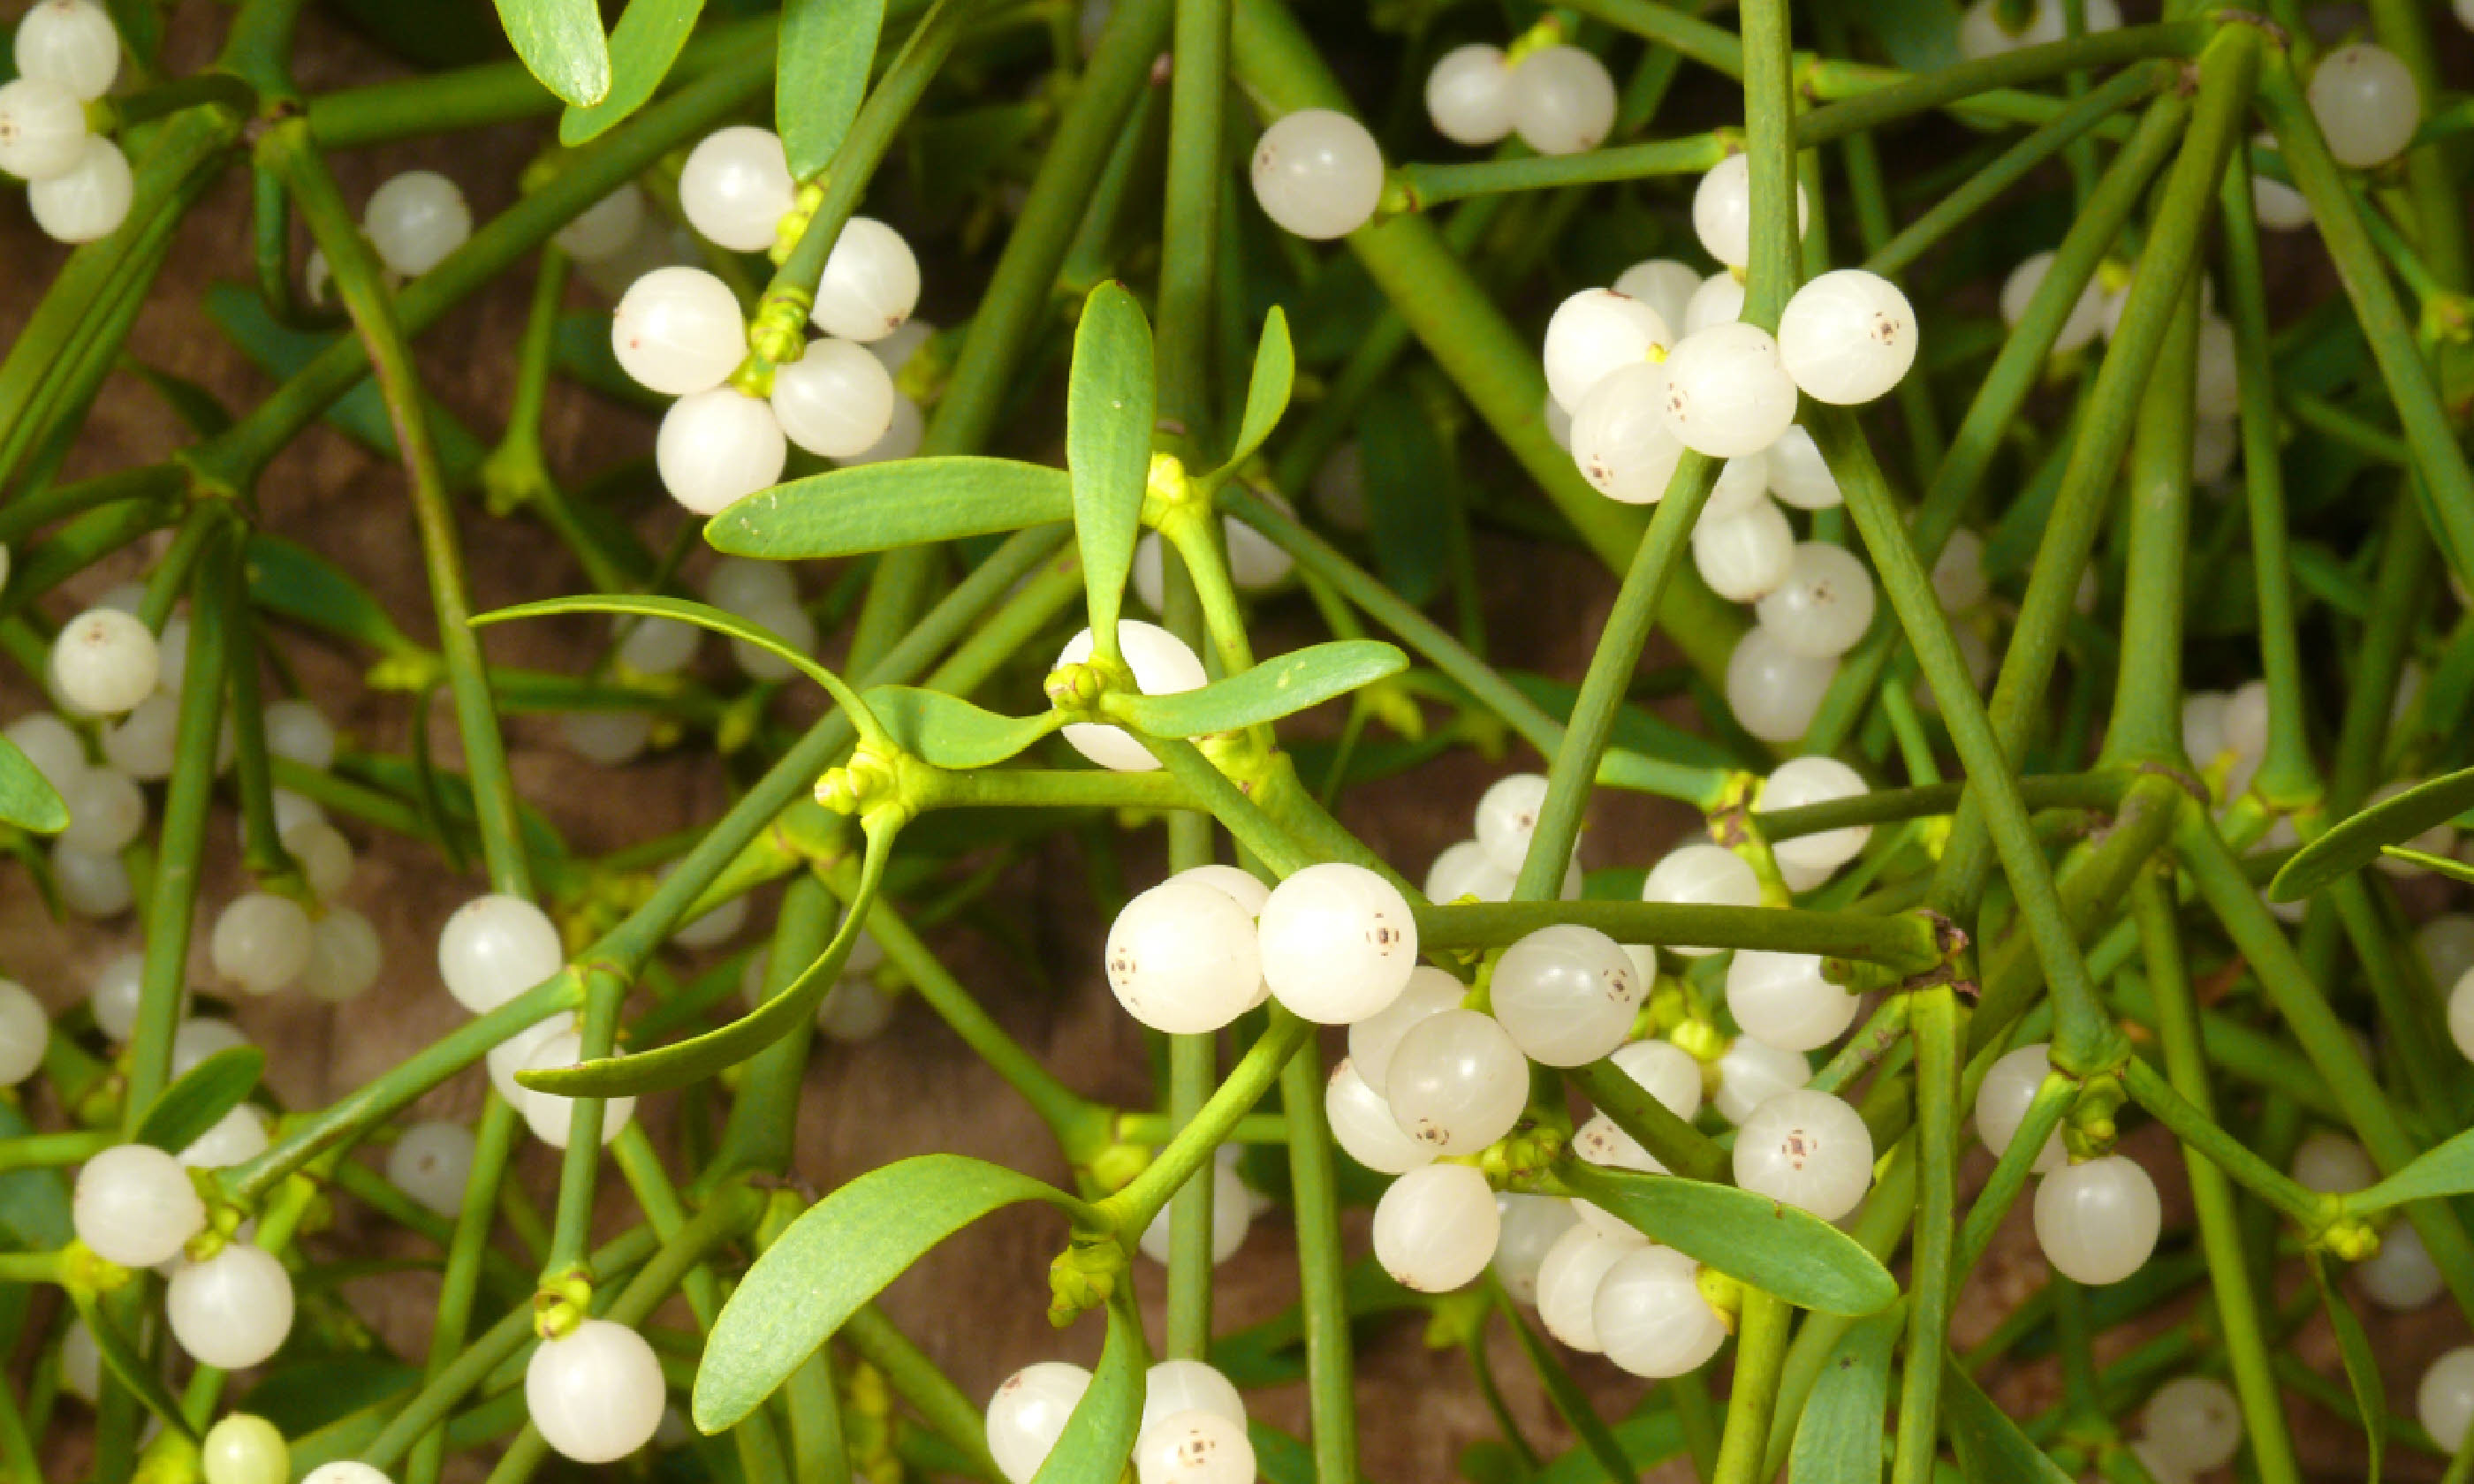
(26, 798)
(2356, 843)
(1838, 1438)
(1791, 1254)
(820, 75)
(643, 45)
(562, 46)
(1099, 1437)
(836, 1255)
(699, 1057)
(1108, 407)
(1989, 1445)
(184, 1112)
(2361, 1366)
(297, 583)
(1275, 688)
(1267, 392)
(2444, 1169)
(875, 507)
(121, 1358)
(948, 731)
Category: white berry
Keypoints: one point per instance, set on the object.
(42, 129)
(1182, 958)
(494, 948)
(70, 44)
(1363, 1126)
(107, 811)
(604, 230)
(1338, 943)
(1195, 1447)
(25, 1032)
(87, 202)
(1593, 334)
(1798, 474)
(237, 1138)
(244, 1450)
(551, 1116)
(1563, 100)
(2195, 1424)
(1774, 691)
(1028, 1414)
(1824, 605)
(1318, 173)
(1808, 1149)
(1783, 999)
(133, 1205)
(718, 446)
(1176, 1386)
(104, 660)
(1722, 212)
(735, 187)
(2401, 1277)
(414, 219)
(1650, 1316)
(2367, 104)
(2002, 1102)
(1701, 876)
(2098, 1221)
(1663, 284)
(261, 943)
(1751, 1072)
(1162, 664)
(1728, 394)
(2444, 1399)
(835, 400)
(2086, 318)
(1568, 1279)
(1566, 994)
(1529, 1228)
(596, 1394)
(1847, 336)
(1619, 439)
(1435, 1227)
(430, 1162)
(345, 957)
(1743, 556)
(232, 1310)
(1457, 1082)
(678, 331)
(1507, 815)
(1373, 1040)
(1469, 95)
(1718, 301)
(2331, 1164)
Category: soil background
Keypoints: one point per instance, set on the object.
(977, 1303)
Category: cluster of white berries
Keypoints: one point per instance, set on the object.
(1192, 1430)
(136, 1206)
(1334, 943)
(1560, 99)
(1487, 866)
(78, 185)
(2098, 1220)
(679, 331)
(2400, 1277)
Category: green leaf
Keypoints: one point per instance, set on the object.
(26, 798)
(820, 75)
(1266, 393)
(1838, 1438)
(1568, 1399)
(562, 46)
(2443, 1170)
(1648, 1439)
(877, 507)
(1789, 1253)
(642, 48)
(300, 584)
(2356, 843)
(2437, 865)
(1281, 1458)
(122, 1360)
(2362, 1365)
(948, 731)
(836, 1255)
(183, 1113)
(1275, 688)
(1099, 1436)
(1408, 504)
(301, 1398)
(698, 1056)
(1989, 1445)
(1108, 404)
(33, 1199)
(192, 403)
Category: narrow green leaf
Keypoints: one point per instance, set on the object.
(1099, 1436)
(820, 75)
(2362, 1365)
(1267, 392)
(1838, 1438)
(949, 731)
(34, 1200)
(877, 507)
(2356, 843)
(2437, 865)
(836, 1255)
(2445, 1169)
(300, 584)
(1989, 1445)
(1108, 404)
(1275, 688)
(184, 1112)
(642, 48)
(131, 1369)
(192, 403)
(1568, 1399)
(26, 798)
(698, 1056)
(562, 46)
(1791, 1254)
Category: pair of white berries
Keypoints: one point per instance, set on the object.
(79, 185)
(1487, 866)
(1560, 99)
(1334, 943)
(1192, 1429)
(136, 1206)
(2098, 1221)
(493, 949)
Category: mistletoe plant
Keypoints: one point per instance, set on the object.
(1972, 834)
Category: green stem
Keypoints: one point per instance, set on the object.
(1190, 221)
(1945, 85)
(1934, 1014)
(491, 1142)
(1904, 945)
(1418, 187)
(2146, 725)
(1130, 1210)
(1676, 1142)
(1331, 1402)
(1762, 1336)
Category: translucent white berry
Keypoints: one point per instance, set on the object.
(1727, 392)
(1507, 815)
(1566, 994)
(1338, 943)
(596, 1395)
(2401, 1277)
(1182, 958)
(1783, 999)
(1162, 665)
(678, 331)
(2195, 1421)
(1751, 1072)
(2097, 1222)
(1232, 1215)
(1363, 1126)
(662, 646)
(2444, 1399)
(1722, 212)
(1563, 100)
(2002, 1102)
(200, 1037)
(494, 948)
(2086, 318)
(1029, 1413)
(2331, 1164)
(902, 435)
(2278, 207)
(1808, 1149)
(1745, 554)
(871, 282)
(69, 44)
(107, 810)
(1774, 691)
(244, 1450)
(2216, 394)
(1825, 604)
(1435, 1227)
(1701, 876)
(345, 956)
(735, 187)
(54, 747)
(261, 941)
(1618, 437)
(2367, 104)
(1666, 1072)
(1798, 474)
(25, 1032)
(1339, 487)
(1593, 334)
(1318, 173)
(1742, 485)
(104, 660)
(1847, 336)
(786, 620)
(81, 1363)
(430, 1162)
(346, 1471)
(414, 219)
(1457, 1082)
(2460, 1014)
(324, 854)
(718, 446)
(133, 1205)
(1242, 887)
(1650, 1316)
(1469, 95)
(552, 1116)
(90, 200)
(1195, 1447)
(604, 230)
(1718, 301)
(232, 1310)
(237, 1136)
(1373, 1040)
(92, 886)
(1463, 870)
(1981, 34)
(1663, 284)
(1809, 780)
(1530, 1226)
(299, 731)
(42, 129)
(835, 400)
(1568, 1279)
(1175, 1386)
